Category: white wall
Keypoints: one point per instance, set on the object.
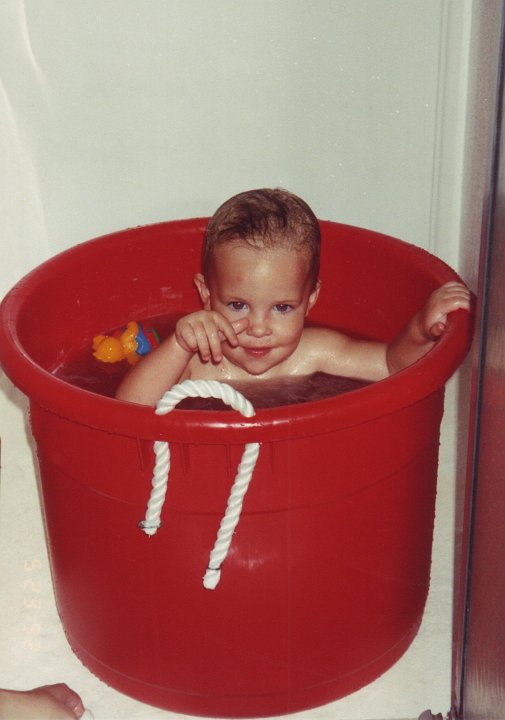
(118, 112)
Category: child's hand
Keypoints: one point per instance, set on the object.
(205, 330)
(50, 701)
(448, 298)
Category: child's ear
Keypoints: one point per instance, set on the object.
(203, 290)
(313, 297)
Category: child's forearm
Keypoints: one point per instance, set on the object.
(410, 345)
(146, 383)
(427, 326)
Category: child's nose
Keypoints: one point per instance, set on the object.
(258, 325)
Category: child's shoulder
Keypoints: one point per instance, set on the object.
(322, 337)
(324, 349)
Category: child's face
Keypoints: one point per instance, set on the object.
(269, 287)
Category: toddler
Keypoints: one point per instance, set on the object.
(259, 281)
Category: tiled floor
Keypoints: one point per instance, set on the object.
(35, 652)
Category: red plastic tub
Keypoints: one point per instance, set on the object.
(326, 579)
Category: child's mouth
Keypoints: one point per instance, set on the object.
(257, 352)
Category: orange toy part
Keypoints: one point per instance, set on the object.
(111, 349)
(128, 340)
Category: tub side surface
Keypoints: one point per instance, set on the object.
(323, 589)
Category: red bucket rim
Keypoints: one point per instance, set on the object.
(421, 379)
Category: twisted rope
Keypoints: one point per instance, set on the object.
(151, 522)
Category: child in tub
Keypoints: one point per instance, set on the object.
(259, 282)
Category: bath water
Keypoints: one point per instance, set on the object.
(80, 368)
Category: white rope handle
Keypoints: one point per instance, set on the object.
(151, 522)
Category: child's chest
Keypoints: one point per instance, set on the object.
(300, 362)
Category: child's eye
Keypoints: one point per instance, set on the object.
(237, 305)
(282, 307)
